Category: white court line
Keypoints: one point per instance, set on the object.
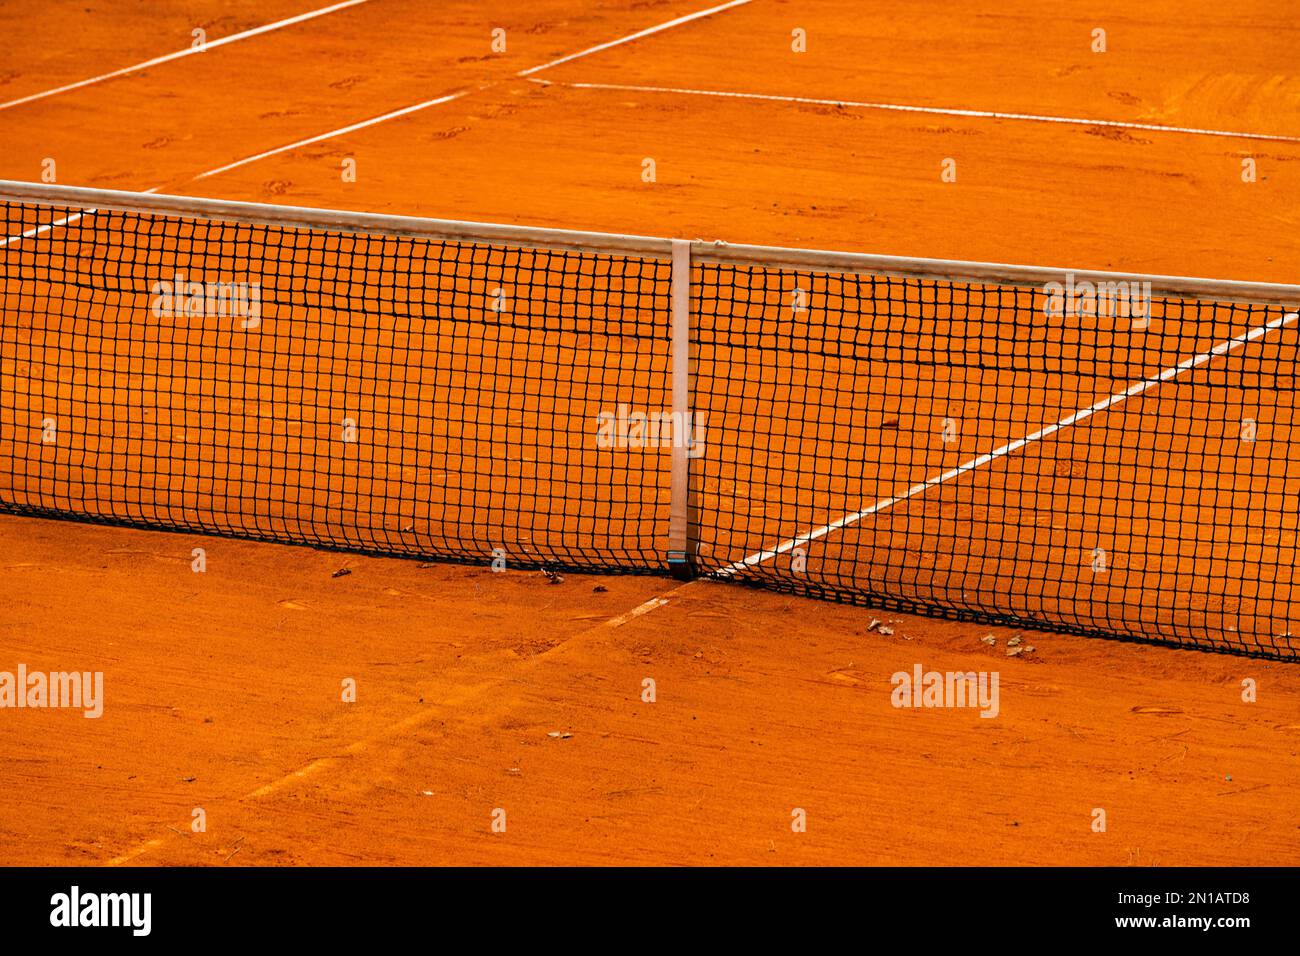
(1223, 348)
(66, 220)
(36, 231)
(935, 110)
(635, 36)
(189, 51)
(337, 132)
(461, 696)
(406, 111)
(415, 720)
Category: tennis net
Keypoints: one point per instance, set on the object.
(1097, 453)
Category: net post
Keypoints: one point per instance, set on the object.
(679, 531)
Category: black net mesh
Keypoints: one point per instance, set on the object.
(362, 392)
(1119, 466)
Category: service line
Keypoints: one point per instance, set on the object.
(933, 110)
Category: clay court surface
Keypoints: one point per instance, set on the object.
(478, 690)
